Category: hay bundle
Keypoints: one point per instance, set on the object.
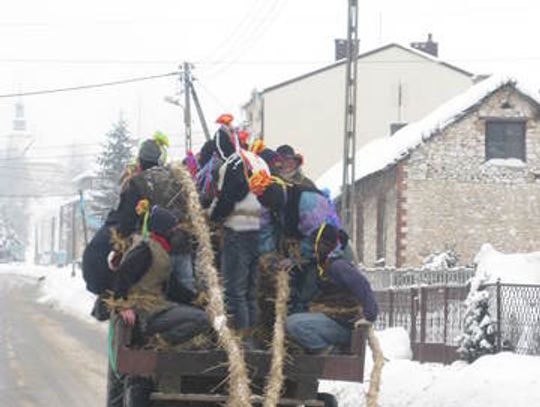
(274, 384)
(239, 391)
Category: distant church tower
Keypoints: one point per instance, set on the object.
(15, 143)
(19, 123)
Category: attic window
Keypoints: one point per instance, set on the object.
(505, 139)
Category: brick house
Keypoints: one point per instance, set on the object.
(466, 174)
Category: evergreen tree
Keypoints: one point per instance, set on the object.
(479, 333)
(114, 158)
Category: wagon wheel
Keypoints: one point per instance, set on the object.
(137, 392)
(329, 399)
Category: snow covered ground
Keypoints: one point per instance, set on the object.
(497, 380)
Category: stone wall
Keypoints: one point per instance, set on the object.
(455, 199)
(369, 191)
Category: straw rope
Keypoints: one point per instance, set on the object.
(274, 384)
(239, 390)
(378, 362)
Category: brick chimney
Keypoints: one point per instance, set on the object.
(429, 47)
(341, 48)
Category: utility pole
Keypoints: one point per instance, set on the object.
(200, 112)
(61, 227)
(186, 78)
(53, 238)
(348, 196)
(186, 75)
(83, 217)
(73, 237)
(36, 244)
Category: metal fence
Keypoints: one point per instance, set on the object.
(384, 278)
(433, 316)
(516, 309)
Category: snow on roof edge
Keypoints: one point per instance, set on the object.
(383, 152)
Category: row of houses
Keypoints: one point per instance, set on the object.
(447, 160)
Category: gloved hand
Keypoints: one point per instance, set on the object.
(100, 311)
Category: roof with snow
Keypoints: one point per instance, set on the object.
(366, 54)
(385, 152)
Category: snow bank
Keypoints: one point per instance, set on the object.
(395, 344)
(517, 268)
(59, 289)
(386, 151)
(501, 380)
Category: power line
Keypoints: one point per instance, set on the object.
(233, 61)
(90, 86)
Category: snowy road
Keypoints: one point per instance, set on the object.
(46, 358)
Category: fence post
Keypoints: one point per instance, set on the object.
(391, 312)
(445, 329)
(414, 293)
(499, 314)
(423, 312)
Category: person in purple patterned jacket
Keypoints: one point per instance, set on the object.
(328, 293)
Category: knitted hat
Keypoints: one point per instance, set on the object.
(150, 151)
(225, 118)
(161, 220)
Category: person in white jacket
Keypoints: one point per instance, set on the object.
(238, 209)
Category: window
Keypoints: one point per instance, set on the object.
(380, 249)
(360, 231)
(505, 139)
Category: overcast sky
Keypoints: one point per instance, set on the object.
(236, 45)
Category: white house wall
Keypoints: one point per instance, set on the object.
(308, 113)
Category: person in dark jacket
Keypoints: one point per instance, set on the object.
(140, 299)
(97, 274)
(344, 299)
(155, 182)
(327, 291)
(237, 209)
(140, 281)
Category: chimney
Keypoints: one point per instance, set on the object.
(341, 48)
(429, 47)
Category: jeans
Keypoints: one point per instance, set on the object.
(239, 270)
(179, 323)
(315, 331)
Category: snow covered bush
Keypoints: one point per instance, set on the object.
(440, 261)
(479, 333)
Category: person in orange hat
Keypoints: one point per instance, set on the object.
(243, 137)
(225, 119)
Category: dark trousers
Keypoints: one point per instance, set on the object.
(178, 324)
(239, 270)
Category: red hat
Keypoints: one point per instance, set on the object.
(243, 137)
(225, 118)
